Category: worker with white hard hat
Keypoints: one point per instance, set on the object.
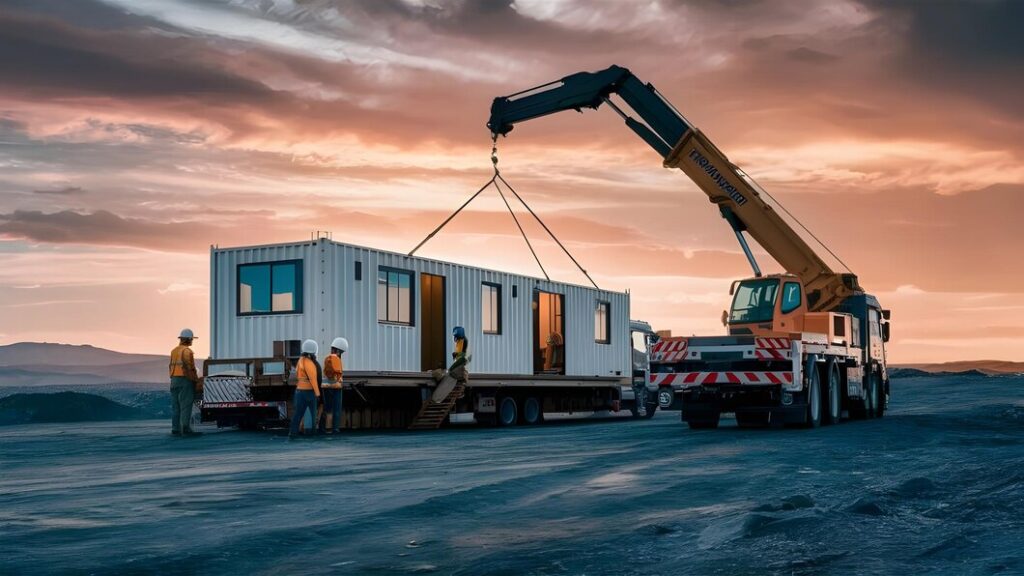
(307, 386)
(333, 367)
(183, 384)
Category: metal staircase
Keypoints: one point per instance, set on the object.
(433, 414)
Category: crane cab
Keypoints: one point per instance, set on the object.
(767, 306)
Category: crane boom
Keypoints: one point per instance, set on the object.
(681, 145)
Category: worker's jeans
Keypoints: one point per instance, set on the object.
(332, 406)
(304, 400)
(182, 395)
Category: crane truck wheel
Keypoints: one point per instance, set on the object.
(814, 403)
(883, 400)
(874, 394)
(833, 395)
(508, 411)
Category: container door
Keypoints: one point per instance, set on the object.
(433, 332)
(548, 333)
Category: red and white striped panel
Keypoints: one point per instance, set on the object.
(772, 343)
(669, 351)
(771, 348)
(687, 379)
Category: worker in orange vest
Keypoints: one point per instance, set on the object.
(183, 384)
(333, 368)
(307, 386)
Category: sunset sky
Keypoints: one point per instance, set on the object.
(136, 133)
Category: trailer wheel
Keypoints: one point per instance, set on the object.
(814, 404)
(833, 397)
(508, 411)
(532, 411)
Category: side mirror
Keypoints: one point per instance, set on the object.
(887, 314)
(653, 338)
(732, 287)
(725, 317)
(885, 332)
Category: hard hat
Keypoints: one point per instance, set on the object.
(186, 333)
(459, 332)
(340, 343)
(310, 347)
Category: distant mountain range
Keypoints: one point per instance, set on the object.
(41, 364)
(987, 367)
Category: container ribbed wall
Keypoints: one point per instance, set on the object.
(336, 304)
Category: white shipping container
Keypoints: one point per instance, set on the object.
(397, 312)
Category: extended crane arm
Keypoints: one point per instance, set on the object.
(683, 146)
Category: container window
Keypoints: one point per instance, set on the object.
(270, 288)
(490, 300)
(394, 296)
(602, 323)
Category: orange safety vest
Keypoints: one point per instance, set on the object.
(182, 362)
(333, 368)
(305, 374)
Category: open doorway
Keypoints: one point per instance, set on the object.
(433, 332)
(548, 333)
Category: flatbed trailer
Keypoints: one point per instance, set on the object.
(257, 393)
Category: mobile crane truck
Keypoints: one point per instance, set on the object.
(802, 347)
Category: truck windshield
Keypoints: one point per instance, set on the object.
(754, 301)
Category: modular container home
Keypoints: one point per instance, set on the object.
(397, 312)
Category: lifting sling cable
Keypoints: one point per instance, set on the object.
(494, 180)
(757, 186)
(521, 231)
(453, 215)
(510, 211)
(543, 225)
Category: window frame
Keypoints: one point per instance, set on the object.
(799, 301)
(498, 319)
(412, 296)
(299, 287)
(607, 322)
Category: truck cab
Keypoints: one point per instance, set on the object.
(767, 305)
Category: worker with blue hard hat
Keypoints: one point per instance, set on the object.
(460, 348)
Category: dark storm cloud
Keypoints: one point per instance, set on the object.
(103, 228)
(975, 48)
(47, 58)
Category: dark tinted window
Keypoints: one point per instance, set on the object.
(754, 301)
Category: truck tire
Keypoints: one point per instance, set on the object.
(533, 412)
(508, 411)
(814, 398)
(874, 392)
(833, 399)
(883, 400)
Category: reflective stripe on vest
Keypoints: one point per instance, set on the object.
(303, 381)
(177, 365)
